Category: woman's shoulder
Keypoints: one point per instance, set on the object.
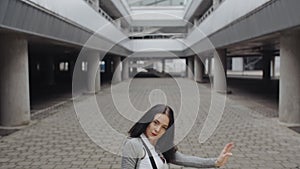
(135, 146)
(133, 141)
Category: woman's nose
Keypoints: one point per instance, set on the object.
(157, 129)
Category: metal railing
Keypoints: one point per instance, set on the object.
(159, 36)
(209, 11)
(100, 11)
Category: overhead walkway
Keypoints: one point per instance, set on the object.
(50, 21)
(270, 15)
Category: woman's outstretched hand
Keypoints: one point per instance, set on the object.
(225, 154)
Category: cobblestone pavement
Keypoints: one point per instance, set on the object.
(59, 140)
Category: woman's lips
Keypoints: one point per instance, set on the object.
(154, 134)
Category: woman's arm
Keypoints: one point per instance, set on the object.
(197, 162)
(193, 161)
(132, 151)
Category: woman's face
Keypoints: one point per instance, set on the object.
(157, 127)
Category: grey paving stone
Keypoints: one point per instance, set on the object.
(47, 166)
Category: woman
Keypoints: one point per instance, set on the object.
(151, 144)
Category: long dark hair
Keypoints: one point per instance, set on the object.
(166, 143)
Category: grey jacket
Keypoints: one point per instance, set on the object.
(133, 152)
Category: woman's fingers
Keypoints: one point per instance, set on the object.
(225, 158)
(225, 154)
(228, 147)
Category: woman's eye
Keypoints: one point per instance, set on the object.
(155, 122)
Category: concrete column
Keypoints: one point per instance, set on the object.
(134, 68)
(118, 23)
(93, 71)
(126, 29)
(267, 56)
(163, 61)
(220, 71)
(186, 67)
(209, 66)
(125, 70)
(79, 78)
(49, 70)
(190, 27)
(273, 66)
(95, 4)
(72, 67)
(190, 65)
(216, 3)
(108, 66)
(14, 84)
(195, 22)
(198, 69)
(117, 70)
(289, 91)
(237, 64)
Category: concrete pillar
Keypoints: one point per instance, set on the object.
(190, 70)
(125, 70)
(108, 66)
(186, 67)
(195, 22)
(216, 3)
(72, 66)
(95, 4)
(237, 64)
(267, 56)
(198, 69)
(93, 71)
(220, 71)
(49, 70)
(79, 78)
(134, 68)
(163, 61)
(273, 66)
(118, 23)
(14, 84)
(117, 70)
(126, 30)
(289, 91)
(209, 66)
